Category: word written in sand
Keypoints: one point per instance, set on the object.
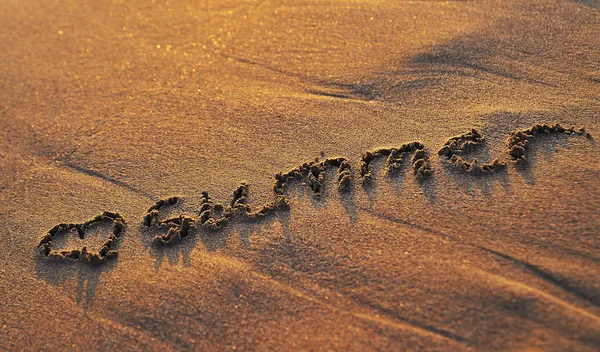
(213, 216)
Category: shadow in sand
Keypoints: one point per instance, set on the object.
(476, 178)
(172, 253)
(469, 56)
(212, 239)
(543, 147)
(591, 3)
(369, 187)
(429, 188)
(242, 226)
(245, 230)
(59, 273)
(329, 191)
(299, 189)
(484, 183)
(397, 179)
(348, 200)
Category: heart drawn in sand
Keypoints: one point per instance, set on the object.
(107, 251)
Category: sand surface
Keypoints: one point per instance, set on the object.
(113, 105)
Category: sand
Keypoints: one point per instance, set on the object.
(111, 106)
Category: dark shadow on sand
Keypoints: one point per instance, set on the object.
(545, 147)
(60, 272)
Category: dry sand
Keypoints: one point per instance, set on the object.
(113, 105)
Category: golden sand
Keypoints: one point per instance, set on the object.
(322, 132)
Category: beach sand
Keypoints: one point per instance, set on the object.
(113, 105)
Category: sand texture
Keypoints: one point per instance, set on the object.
(300, 175)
